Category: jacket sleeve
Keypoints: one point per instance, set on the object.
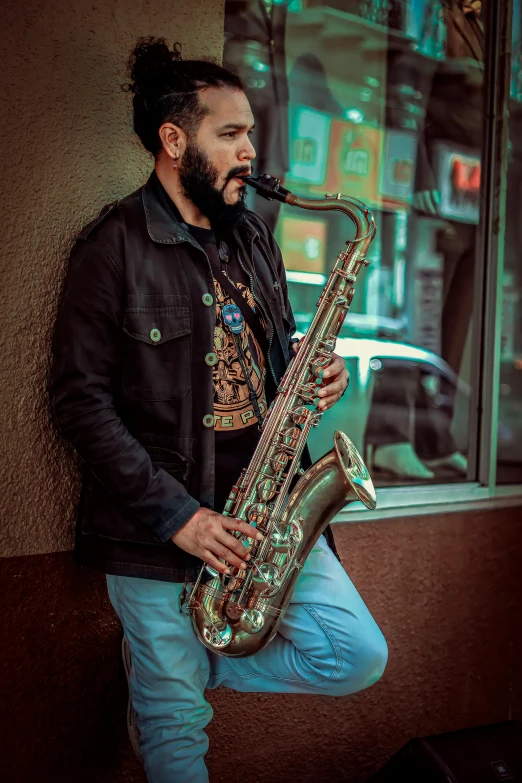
(86, 367)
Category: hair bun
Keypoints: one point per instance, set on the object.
(151, 60)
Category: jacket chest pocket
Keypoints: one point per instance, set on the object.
(157, 351)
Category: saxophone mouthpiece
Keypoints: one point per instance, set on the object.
(268, 187)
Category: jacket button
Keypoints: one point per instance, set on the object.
(211, 359)
(208, 420)
(155, 335)
(208, 299)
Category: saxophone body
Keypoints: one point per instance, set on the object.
(238, 614)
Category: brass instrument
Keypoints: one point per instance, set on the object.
(238, 614)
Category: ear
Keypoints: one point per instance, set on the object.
(173, 140)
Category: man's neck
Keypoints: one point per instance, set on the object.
(188, 211)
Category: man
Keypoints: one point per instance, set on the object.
(147, 388)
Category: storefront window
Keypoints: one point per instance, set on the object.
(509, 453)
(381, 100)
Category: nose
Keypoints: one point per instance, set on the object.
(248, 153)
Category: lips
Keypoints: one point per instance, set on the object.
(239, 177)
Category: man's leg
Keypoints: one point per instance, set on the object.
(170, 669)
(328, 642)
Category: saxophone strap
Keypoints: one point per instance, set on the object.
(251, 391)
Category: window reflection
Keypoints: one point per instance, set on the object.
(382, 100)
(509, 468)
(255, 46)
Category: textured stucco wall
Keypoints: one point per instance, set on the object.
(67, 149)
(447, 592)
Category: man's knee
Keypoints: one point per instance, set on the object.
(361, 667)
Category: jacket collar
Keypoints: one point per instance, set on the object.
(164, 223)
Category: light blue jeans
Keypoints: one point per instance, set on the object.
(328, 644)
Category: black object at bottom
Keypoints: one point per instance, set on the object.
(484, 754)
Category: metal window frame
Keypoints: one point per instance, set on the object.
(431, 499)
(481, 491)
(490, 253)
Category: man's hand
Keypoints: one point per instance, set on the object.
(205, 535)
(335, 381)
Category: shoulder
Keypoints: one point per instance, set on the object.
(105, 237)
(112, 217)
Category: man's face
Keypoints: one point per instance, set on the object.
(220, 151)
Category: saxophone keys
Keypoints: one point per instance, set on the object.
(300, 414)
(230, 500)
(280, 542)
(266, 489)
(279, 462)
(232, 584)
(307, 392)
(318, 365)
(252, 621)
(266, 575)
(217, 638)
(330, 344)
(258, 513)
(317, 416)
(291, 436)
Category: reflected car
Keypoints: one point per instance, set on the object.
(365, 357)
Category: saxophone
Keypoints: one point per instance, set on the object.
(238, 614)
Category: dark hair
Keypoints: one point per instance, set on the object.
(166, 88)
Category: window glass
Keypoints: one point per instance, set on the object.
(381, 100)
(509, 453)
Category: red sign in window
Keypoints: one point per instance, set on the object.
(465, 176)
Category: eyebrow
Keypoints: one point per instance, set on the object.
(236, 126)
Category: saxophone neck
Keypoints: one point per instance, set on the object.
(363, 220)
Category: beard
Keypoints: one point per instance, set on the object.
(198, 179)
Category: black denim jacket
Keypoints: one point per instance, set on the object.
(130, 386)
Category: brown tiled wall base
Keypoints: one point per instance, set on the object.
(447, 592)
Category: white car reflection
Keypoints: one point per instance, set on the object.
(365, 357)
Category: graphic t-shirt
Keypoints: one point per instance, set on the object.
(235, 422)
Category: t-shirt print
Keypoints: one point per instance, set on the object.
(233, 409)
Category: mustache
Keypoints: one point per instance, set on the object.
(239, 171)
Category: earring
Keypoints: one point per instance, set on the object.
(175, 165)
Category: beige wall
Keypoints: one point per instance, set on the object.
(68, 149)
